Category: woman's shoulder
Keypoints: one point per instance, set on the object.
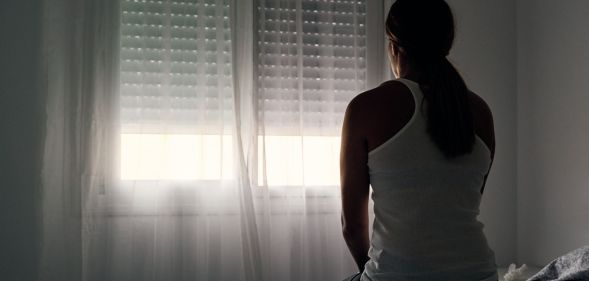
(379, 113)
(478, 103)
(480, 108)
(387, 93)
(483, 120)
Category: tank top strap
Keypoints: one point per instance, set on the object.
(413, 87)
(415, 118)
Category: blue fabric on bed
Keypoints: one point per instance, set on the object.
(571, 266)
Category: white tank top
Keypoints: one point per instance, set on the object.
(426, 208)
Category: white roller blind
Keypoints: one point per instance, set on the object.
(175, 66)
(312, 61)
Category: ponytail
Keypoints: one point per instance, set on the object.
(449, 117)
(423, 31)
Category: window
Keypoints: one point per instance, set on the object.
(176, 88)
(311, 62)
(176, 91)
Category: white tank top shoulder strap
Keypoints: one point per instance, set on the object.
(413, 87)
(417, 98)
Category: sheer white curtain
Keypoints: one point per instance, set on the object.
(80, 61)
(199, 139)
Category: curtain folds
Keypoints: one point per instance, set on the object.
(81, 79)
(242, 18)
(198, 139)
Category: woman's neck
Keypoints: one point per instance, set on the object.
(408, 70)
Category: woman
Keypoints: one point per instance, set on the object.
(425, 144)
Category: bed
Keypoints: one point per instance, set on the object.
(571, 266)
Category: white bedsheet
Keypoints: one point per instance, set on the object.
(527, 273)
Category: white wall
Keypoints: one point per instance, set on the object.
(553, 128)
(486, 56)
(21, 134)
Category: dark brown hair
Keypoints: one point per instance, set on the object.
(423, 31)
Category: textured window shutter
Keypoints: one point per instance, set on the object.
(312, 61)
(175, 66)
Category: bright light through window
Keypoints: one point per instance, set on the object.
(176, 157)
(210, 157)
(295, 160)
